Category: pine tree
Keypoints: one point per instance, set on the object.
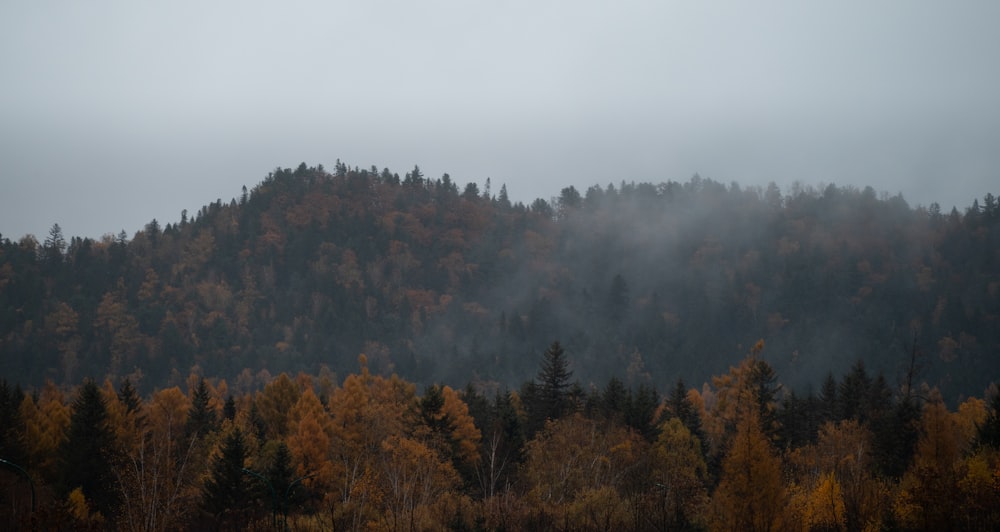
(988, 433)
(226, 491)
(551, 393)
(680, 406)
(281, 473)
(128, 396)
(640, 410)
(11, 423)
(201, 417)
(229, 409)
(87, 451)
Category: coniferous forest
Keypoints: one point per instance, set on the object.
(355, 350)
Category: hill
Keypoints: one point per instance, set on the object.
(649, 282)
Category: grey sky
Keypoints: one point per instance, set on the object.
(115, 113)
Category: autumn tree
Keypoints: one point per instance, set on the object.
(414, 479)
(366, 410)
(574, 457)
(309, 441)
(679, 496)
(927, 500)
(155, 476)
(502, 440)
(751, 493)
(274, 404)
(45, 427)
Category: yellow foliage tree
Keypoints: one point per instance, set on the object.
(751, 493)
(309, 434)
(366, 410)
(825, 509)
(679, 475)
(574, 455)
(45, 426)
(412, 478)
(274, 403)
(928, 498)
(156, 473)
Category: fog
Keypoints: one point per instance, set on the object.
(115, 113)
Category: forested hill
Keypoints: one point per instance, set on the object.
(649, 282)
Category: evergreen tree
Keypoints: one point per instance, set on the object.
(680, 407)
(281, 473)
(87, 452)
(829, 407)
(988, 433)
(553, 387)
(11, 424)
(612, 400)
(229, 408)
(128, 396)
(895, 435)
(201, 417)
(765, 387)
(226, 492)
(853, 393)
(640, 410)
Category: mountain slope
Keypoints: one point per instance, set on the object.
(648, 282)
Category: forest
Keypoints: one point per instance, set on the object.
(357, 350)
(371, 453)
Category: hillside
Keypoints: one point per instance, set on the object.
(648, 282)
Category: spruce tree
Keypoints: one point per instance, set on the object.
(229, 409)
(87, 452)
(554, 383)
(681, 407)
(128, 396)
(11, 447)
(988, 433)
(226, 492)
(201, 417)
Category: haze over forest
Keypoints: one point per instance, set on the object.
(453, 284)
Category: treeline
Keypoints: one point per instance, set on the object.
(370, 452)
(310, 267)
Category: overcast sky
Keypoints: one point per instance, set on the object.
(115, 113)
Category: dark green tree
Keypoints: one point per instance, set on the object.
(679, 406)
(829, 406)
(11, 446)
(554, 383)
(613, 399)
(764, 383)
(853, 393)
(280, 472)
(226, 491)
(640, 411)
(988, 433)
(128, 396)
(87, 453)
(201, 417)
(229, 408)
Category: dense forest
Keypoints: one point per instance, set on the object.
(370, 453)
(353, 350)
(441, 285)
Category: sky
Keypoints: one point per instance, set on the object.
(116, 113)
